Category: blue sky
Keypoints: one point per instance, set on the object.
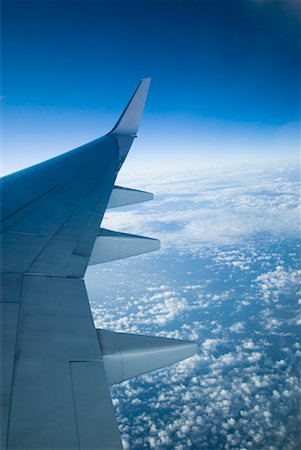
(225, 78)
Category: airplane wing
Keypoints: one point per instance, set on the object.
(56, 368)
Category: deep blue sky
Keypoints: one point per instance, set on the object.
(226, 76)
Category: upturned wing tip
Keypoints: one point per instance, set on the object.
(129, 121)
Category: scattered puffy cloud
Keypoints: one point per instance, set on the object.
(237, 327)
(234, 292)
(252, 407)
(277, 282)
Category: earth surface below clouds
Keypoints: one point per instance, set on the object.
(227, 276)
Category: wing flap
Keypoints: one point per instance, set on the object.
(48, 400)
(95, 418)
(9, 319)
(10, 304)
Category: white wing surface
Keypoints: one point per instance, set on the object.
(55, 366)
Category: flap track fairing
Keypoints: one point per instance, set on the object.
(121, 196)
(112, 245)
(128, 355)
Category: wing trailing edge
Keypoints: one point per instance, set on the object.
(128, 355)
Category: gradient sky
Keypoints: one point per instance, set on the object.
(226, 78)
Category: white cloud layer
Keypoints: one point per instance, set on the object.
(225, 207)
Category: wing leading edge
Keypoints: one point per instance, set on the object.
(56, 367)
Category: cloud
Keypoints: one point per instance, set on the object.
(211, 411)
(277, 282)
(237, 327)
(225, 208)
(236, 296)
(210, 344)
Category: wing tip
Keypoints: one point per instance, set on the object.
(129, 121)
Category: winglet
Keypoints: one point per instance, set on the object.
(129, 121)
